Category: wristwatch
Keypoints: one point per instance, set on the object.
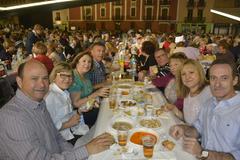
(204, 155)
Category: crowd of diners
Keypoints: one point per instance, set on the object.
(63, 76)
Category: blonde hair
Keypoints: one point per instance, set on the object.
(60, 67)
(181, 89)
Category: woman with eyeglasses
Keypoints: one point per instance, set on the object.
(59, 104)
(82, 90)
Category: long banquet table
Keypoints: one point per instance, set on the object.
(167, 119)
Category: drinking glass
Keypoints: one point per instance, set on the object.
(112, 101)
(148, 142)
(122, 139)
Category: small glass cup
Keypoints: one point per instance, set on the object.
(148, 145)
(148, 110)
(122, 136)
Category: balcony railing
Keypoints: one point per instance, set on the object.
(88, 18)
(165, 2)
(117, 18)
(148, 18)
(164, 18)
(195, 19)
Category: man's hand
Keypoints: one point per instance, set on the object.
(74, 120)
(176, 132)
(100, 143)
(191, 145)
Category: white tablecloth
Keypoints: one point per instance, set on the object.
(167, 119)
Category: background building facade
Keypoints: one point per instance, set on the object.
(157, 15)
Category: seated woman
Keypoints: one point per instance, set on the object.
(192, 86)
(176, 61)
(59, 104)
(146, 58)
(82, 90)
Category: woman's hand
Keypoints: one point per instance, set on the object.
(103, 92)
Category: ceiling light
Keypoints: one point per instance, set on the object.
(225, 14)
(33, 4)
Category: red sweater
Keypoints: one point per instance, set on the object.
(46, 61)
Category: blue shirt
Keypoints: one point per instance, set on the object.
(98, 73)
(219, 125)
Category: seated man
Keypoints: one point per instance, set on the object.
(27, 130)
(161, 73)
(218, 121)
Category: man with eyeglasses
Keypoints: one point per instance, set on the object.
(27, 130)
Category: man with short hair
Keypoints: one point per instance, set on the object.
(98, 74)
(34, 36)
(218, 121)
(27, 130)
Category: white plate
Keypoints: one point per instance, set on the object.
(147, 130)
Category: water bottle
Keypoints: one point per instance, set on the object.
(133, 63)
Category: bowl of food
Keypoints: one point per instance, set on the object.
(150, 122)
(122, 123)
(135, 138)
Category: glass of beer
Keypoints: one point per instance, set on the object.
(122, 139)
(148, 142)
(112, 101)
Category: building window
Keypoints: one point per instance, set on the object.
(58, 16)
(103, 12)
(88, 13)
(133, 12)
(148, 13)
(164, 13)
(117, 13)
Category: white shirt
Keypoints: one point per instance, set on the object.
(59, 106)
(192, 105)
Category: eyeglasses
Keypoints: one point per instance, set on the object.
(65, 76)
